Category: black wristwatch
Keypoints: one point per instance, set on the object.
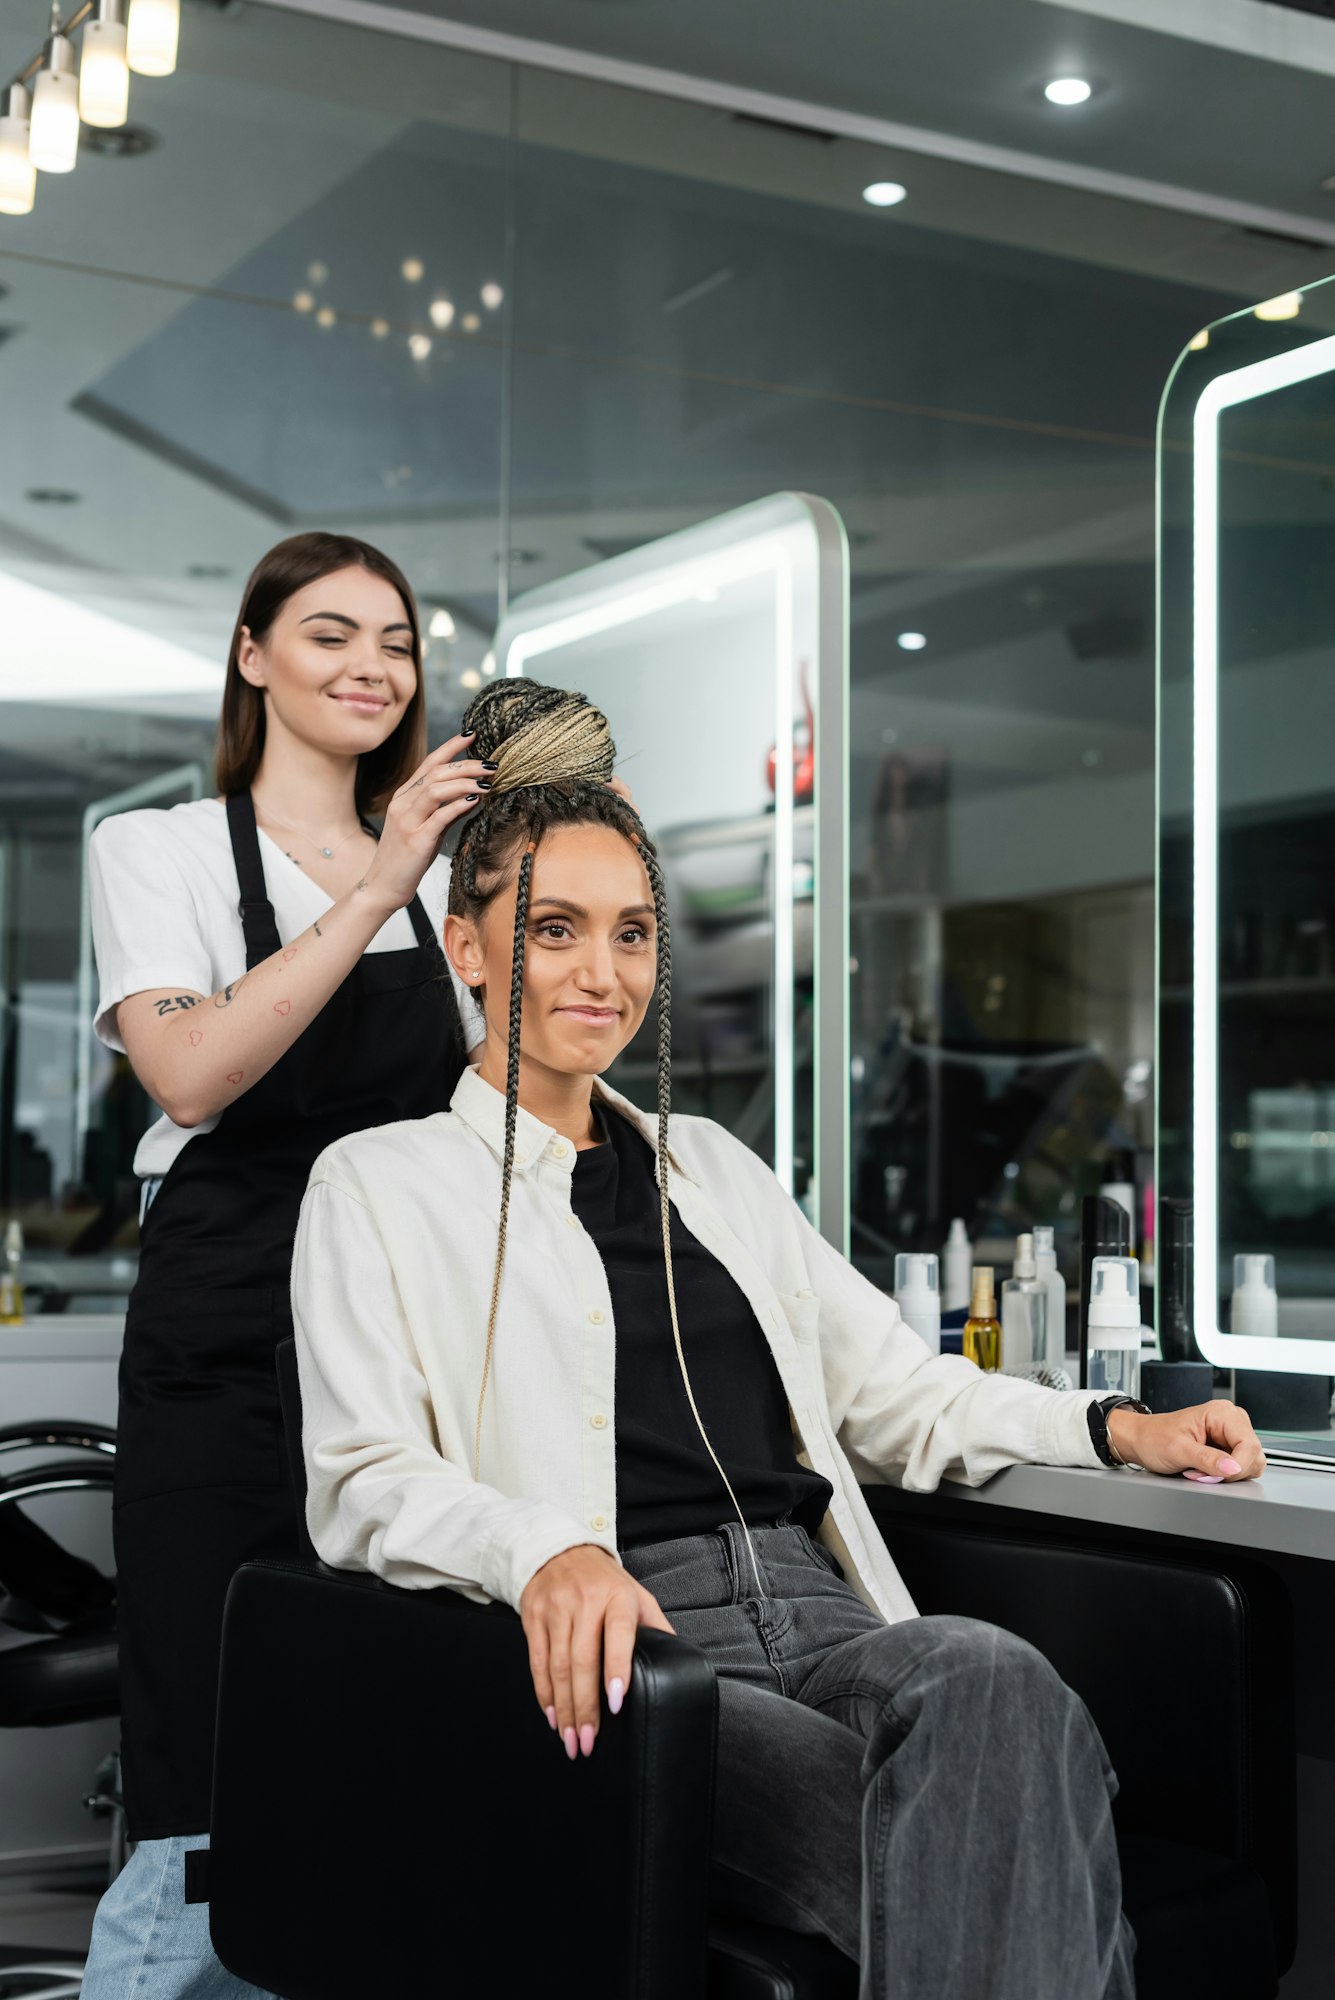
(1098, 1415)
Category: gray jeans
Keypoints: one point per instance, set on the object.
(929, 1795)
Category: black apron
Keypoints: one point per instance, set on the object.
(201, 1485)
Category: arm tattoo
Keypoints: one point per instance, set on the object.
(181, 1004)
(229, 993)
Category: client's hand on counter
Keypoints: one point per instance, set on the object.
(580, 1613)
(1213, 1440)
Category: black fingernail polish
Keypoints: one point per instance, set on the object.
(488, 765)
(470, 798)
(484, 784)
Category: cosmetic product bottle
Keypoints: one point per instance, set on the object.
(1045, 1257)
(1024, 1310)
(982, 1329)
(11, 1287)
(956, 1266)
(1114, 1326)
(1105, 1231)
(918, 1295)
(1174, 1281)
(1255, 1306)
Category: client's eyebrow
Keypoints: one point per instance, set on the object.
(574, 909)
(339, 618)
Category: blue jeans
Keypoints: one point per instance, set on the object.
(929, 1795)
(149, 1943)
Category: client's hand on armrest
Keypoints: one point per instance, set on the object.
(1211, 1441)
(581, 1612)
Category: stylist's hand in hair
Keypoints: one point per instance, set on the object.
(1213, 1441)
(444, 787)
(581, 1612)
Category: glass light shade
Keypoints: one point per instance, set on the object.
(155, 27)
(54, 145)
(18, 175)
(104, 75)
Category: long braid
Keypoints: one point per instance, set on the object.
(511, 1119)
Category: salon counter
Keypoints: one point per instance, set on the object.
(1288, 1512)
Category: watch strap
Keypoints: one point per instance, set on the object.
(1098, 1414)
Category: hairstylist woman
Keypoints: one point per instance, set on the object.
(273, 971)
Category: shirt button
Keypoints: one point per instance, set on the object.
(596, 1316)
(599, 1422)
(560, 1150)
(521, 1159)
(598, 1523)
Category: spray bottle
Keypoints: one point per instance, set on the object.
(1024, 1306)
(1045, 1256)
(957, 1266)
(918, 1296)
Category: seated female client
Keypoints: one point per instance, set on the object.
(600, 1366)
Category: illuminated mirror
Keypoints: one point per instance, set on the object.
(1247, 841)
(720, 658)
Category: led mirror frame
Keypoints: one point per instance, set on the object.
(1283, 1354)
(770, 537)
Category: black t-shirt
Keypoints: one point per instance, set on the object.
(667, 1484)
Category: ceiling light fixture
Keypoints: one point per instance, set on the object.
(441, 312)
(18, 175)
(884, 194)
(492, 296)
(442, 626)
(40, 132)
(154, 31)
(326, 316)
(419, 345)
(911, 642)
(317, 273)
(379, 328)
(1068, 90)
(104, 73)
(470, 679)
(470, 322)
(1286, 305)
(412, 269)
(54, 144)
(304, 301)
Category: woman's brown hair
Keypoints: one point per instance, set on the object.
(287, 568)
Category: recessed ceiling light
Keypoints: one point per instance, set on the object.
(419, 345)
(326, 316)
(884, 194)
(442, 312)
(1287, 305)
(442, 625)
(470, 322)
(412, 269)
(379, 328)
(1067, 90)
(912, 642)
(491, 296)
(303, 301)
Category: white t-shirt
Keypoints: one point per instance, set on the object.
(163, 895)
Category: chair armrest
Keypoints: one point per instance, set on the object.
(391, 1809)
(1183, 1655)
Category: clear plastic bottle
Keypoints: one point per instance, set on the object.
(1045, 1256)
(1114, 1326)
(956, 1268)
(11, 1287)
(1255, 1307)
(918, 1295)
(1024, 1310)
(982, 1329)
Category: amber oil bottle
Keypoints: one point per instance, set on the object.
(982, 1329)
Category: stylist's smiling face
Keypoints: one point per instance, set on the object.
(337, 662)
(590, 958)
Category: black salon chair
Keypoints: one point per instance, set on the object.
(388, 1803)
(58, 1626)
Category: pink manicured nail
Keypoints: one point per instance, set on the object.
(586, 1739)
(1205, 1478)
(616, 1694)
(550, 1714)
(1228, 1467)
(571, 1741)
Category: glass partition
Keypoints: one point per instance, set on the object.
(1247, 917)
(720, 658)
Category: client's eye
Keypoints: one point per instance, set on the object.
(552, 927)
(636, 935)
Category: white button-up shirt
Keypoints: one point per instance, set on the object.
(391, 1281)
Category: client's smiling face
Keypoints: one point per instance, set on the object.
(590, 956)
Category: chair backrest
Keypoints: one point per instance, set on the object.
(289, 1397)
